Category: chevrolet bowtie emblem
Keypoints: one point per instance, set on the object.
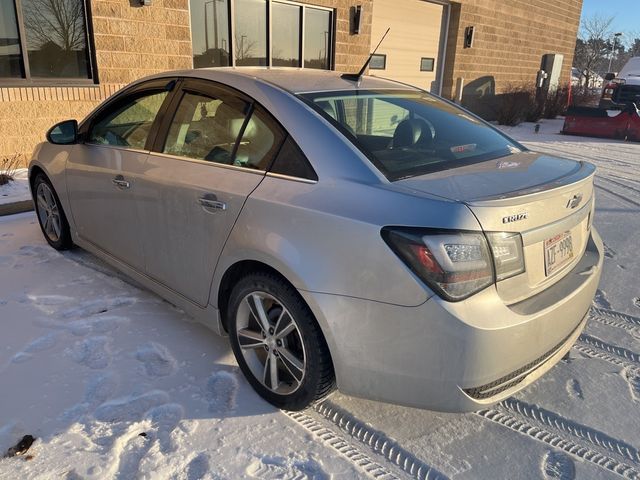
(574, 201)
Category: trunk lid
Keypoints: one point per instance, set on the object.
(548, 200)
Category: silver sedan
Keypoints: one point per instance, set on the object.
(362, 234)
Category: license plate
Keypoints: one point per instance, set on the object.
(558, 251)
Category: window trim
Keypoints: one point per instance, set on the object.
(28, 81)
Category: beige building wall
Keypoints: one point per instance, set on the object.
(131, 42)
(510, 38)
(415, 27)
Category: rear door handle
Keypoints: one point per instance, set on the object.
(120, 182)
(209, 200)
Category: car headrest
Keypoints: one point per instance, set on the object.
(412, 131)
(328, 108)
(229, 119)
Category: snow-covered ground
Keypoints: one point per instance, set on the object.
(16, 190)
(89, 362)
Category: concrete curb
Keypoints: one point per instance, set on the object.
(16, 207)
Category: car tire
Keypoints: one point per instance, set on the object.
(51, 217)
(272, 328)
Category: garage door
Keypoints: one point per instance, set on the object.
(412, 46)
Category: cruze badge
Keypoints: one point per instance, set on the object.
(515, 218)
(574, 201)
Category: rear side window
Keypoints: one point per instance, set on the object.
(223, 129)
(261, 139)
(292, 162)
(129, 123)
(206, 128)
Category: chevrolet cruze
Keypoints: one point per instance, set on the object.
(344, 232)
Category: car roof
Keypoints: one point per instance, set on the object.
(297, 80)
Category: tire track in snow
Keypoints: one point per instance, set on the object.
(376, 441)
(523, 425)
(628, 357)
(615, 319)
(554, 420)
(344, 448)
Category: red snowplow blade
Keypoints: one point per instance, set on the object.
(596, 122)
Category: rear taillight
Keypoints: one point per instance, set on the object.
(609, 90)
(457, 264)
(508, 257)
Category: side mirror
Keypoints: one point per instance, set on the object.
(609, 76)
(63, 133)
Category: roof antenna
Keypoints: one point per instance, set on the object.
(356, 77)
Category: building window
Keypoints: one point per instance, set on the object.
(426, 64)
(317, 38)
(210, 33)
(44, 41)
(260, 33)
(285, 35)
(378, 62)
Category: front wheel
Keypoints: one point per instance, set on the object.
(278, 343)
(51, 217)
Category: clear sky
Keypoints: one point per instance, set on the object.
(626, 13)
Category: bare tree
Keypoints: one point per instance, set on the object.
(593, 46)
(244, 49)
(55, 21)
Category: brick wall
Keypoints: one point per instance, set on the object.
(130, 42)
(510, 38)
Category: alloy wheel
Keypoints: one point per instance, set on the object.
(271, 343)
(48, 212)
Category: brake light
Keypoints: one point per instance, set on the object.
(609, 90)
(457, 264)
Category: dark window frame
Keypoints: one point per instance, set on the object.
(433, 64)
(383, 56)
(28, 81)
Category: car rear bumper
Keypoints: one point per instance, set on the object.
(456, 356)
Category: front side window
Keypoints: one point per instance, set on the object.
(409, 133)
(55, 43)
(128, 124)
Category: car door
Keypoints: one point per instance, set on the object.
(103, 171)
(210, 154)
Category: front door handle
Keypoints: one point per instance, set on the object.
(120, 182)
(209, 200)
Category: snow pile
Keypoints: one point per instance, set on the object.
(16, 190)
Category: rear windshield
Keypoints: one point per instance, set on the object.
(407, 133)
